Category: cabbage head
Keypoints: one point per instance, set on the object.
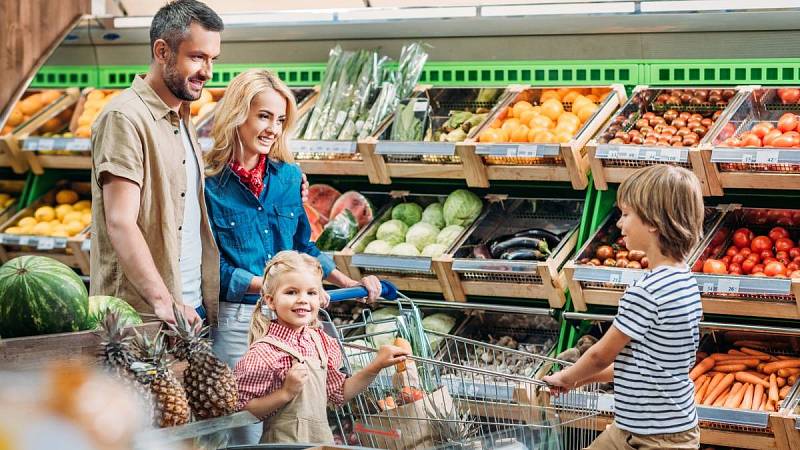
(405, 249)
(434, 215)
(421, 234)
(449, 234)
(392, 231)
(462, 207)
(409, 213)
(378, 247)
(434, 250)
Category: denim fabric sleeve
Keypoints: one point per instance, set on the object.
(302, 243)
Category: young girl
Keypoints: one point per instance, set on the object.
(291, 370)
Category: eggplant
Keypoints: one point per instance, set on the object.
(552, 239)
(481, 252)
(522, 242)
(525, 254)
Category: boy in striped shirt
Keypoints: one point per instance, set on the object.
(650, 349)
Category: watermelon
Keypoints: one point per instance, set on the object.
(321, 198)
(338, 232)
(39, 295)
(355, 203)
(100, 305)
(313, 220)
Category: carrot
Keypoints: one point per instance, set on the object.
(720, 357)
(763, 406)
(773, 388)
(735, 397)
(781, 382)
(713, 373)
(746, 377)
(763, 376)
(702, 355)
(786, 373)
(699, 381)
(785, 357)
(725, 383)
(770, 406)
(792, 380)
(730, 368)
(750, 344)
(404, 344)
(758, 396)
(701, 368)
(760, 367)
(750, 351)
(733, 351)
(713, 384)
(747, 400)
(783, 364)
(722, 398)
(701, 391)
(784, 392)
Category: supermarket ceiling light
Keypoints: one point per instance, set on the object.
(561, 8)
(715, 5)
(406, 13)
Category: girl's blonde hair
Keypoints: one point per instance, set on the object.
(233, 111)
(287, 261)
(670, 199)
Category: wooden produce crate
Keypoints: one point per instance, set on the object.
(408, 273)
(68, 250)
(435, 155)
(13, 189)
(478, 273)
(730, 165)
(594, 283)
(744, 294)
(553, 158)
(620, 148)
(34, 352)
(38, 109)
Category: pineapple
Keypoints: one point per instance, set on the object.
(170, 402)
(209, 382)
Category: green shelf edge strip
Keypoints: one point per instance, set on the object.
(470, 73)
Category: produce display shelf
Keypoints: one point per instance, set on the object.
(722, 72)
(612, 160)
(193, 430)
(479, 275)
(65, 77)
(720, 426)
(752, 167)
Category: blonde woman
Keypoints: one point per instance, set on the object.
(254, 201)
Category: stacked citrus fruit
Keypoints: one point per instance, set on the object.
(6, 200)
(95, 101)
(203, 105)
(67, 218)
(28, 107)
(555, 118)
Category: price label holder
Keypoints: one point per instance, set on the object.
(519, 150)
(45, 244)
(415, 148)
(626, 277)
(302, 146)
(78, 145)
(46, 144)
(642, 153)
(86, 245)
(768, 157)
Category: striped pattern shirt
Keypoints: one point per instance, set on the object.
(652, 391)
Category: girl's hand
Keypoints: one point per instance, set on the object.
(558, 384)
(304, 188)
(388, 355)
(296, 377)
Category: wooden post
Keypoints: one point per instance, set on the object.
(377, 171)
(796, 293)
(575, 289)
(474, 170)
(698, 167)
(10, 146)
(577, 165)
(596, 165)
(712, 172)
(451, 283)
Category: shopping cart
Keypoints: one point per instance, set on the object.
(456, 393)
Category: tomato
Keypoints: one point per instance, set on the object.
(795, 274)
(732, 251)
(759, 274)
(746, 251)
(777, 233)
(789, 96)
(719, 236)
(794, 252)
(783, 141)
(782, 254)
(784, 245)
(735, 269)
(766, 261)
(698, 265)
(714, 266)
(792, 266)
(726, 260)
(737, 259)
(787, 122)
(758, 268)
(796, 260)
(771, 137)
(765, 254)
(742, 237)
(747, 265)
(760, 244)
(762, 128)
(732, 142)
(749, 140)
(774, 268)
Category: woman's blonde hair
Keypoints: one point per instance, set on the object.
(233, 111)
(670, 199)
(287, 261)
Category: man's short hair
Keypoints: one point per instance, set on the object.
(171, 22)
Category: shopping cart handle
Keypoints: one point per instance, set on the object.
(388, 292)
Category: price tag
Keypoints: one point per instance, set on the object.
(748, 158)
(421, 105)
(86, 245)
(768, 156)
(80, 145)
(629, 153)
(613, 154)
(46, 244)
(24, 240)
(650, 155)
(46, 144)
(630, 276)
(526, 151)
(670, 154)
(728, 285)
(708, 286)
(615, 277)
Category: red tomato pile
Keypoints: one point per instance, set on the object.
(789, 96)
(765, 134)
(775, 255)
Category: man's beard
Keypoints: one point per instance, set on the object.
(178, 85)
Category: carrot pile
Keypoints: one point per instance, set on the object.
(745, 379)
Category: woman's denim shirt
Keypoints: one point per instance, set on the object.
(250, 231)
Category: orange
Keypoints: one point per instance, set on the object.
(31, 105)
(15, 118)
(580, 102)
(548, 94)
(504, 113)
(520, 134)
(95, 95)
(561, 137)
(600, 91)
(593, 98)
(571, 95)
(552, 108)
(541, 122)
(489, 135)
(49, 96)
(568, 117)
(83, 132)
(543, 137)
(521, 107)
(85, 120)
(505, 135)
(567, 127)
(564, 91)
(526, 116)
(496, 124)
(510, 124)
(586, 112)
(53, 125)
(6, 130)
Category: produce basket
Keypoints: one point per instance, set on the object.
(512, 227)
(426, 136)
(603, 268)
(538, 133)
(659, 126)
(18, 239)
(719, 425)
(39, 111)
(10, 193)
(745, 156)
(731, 284)
(409, 273)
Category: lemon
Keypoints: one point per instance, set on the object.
(4, 197)
(66, 196)
(86, 218)
(45, 214)
(59, 234)
(59, 230)
(9, 202)
(63, 210)
(74, 227)
(13, 230)
(83, 205)
(27, 222)
(42, 229)
(73, 216)
(95, 96)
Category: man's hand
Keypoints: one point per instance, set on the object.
(164, 311)
(373, 285)
(304, 188)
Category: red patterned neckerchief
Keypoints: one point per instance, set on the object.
(252, 179)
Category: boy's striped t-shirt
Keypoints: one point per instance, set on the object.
(652, 391)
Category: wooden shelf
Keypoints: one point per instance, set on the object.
(333, 167)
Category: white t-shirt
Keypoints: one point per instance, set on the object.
(191, 245)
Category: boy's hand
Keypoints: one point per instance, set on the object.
(296, 377)
(558, 383)
(388, 355)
